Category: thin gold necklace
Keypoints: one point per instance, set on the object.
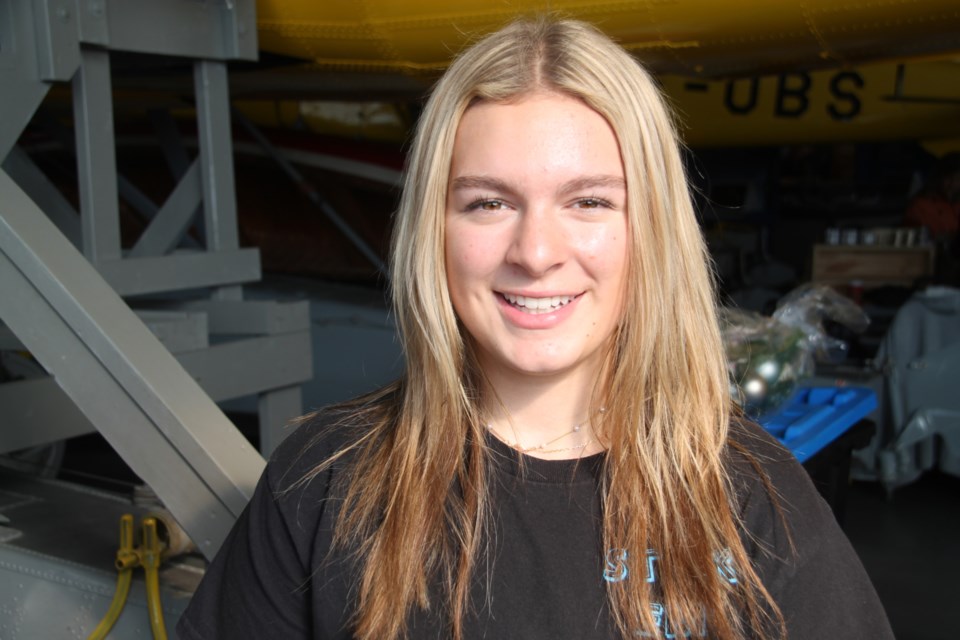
(577, 447)
(542, 447)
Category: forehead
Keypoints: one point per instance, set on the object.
(541, 132)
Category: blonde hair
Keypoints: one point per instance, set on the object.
(415, 494)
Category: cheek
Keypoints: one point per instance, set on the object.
(613, 267)
(465, 269)
(459, 260)
(606, 253)
(468, 256)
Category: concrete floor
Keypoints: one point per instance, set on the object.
(910, 546)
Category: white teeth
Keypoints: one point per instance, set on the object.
(537, 305)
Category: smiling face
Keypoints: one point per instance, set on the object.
(536, 235)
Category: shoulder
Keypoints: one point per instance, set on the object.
(782, 514)
(313, 440)
(319, 450)
(293, 495)
(261, 583)
(799, 551)
(749, 443)
(257, 584)
(764, 471)
(317, 463)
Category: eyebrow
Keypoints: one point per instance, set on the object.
(594, 182)
(480, 182)
(577, 184)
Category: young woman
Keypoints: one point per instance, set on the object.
(561, 459)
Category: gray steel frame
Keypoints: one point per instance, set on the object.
(65, 307)
(25, 173)
(119, 374)
(37, 412)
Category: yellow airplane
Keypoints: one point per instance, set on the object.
(703, 38)
(740, 72)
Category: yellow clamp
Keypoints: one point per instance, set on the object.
(148, 555)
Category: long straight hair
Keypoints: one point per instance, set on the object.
(415, 494)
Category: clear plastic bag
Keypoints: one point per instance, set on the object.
(768, 357)
(807, 306)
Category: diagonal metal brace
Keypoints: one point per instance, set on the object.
(122, 378)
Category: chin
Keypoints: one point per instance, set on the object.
(542, 368)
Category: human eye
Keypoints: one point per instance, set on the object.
(486, 204)
(592, 203)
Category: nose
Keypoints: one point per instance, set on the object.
(538, 244)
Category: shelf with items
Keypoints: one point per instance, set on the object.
(871, 265)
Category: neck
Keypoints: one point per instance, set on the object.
(534, 411)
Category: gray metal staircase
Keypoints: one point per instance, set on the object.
(147, 379)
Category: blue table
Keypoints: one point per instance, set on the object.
(816, 416)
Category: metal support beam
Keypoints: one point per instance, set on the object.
(144, 403)
(41, 190)
(182, 271)
(276, 409)
(178, 331)
(19, 71)
(173, 219)
(171, 143)
(219, 193)
(213, 123)
(250, 317)
(217, 30)
(37, 412)
(141, 202)
(8, 340)
(96, 157)
(312, 194)
(58, 51)
(245, 367)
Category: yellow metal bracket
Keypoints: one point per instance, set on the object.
(148, 555)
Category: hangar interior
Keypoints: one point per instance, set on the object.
(196, 200)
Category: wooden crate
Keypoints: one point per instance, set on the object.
(874, 266)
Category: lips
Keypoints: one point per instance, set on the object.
(535, 305)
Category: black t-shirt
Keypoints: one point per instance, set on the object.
(545, 572)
